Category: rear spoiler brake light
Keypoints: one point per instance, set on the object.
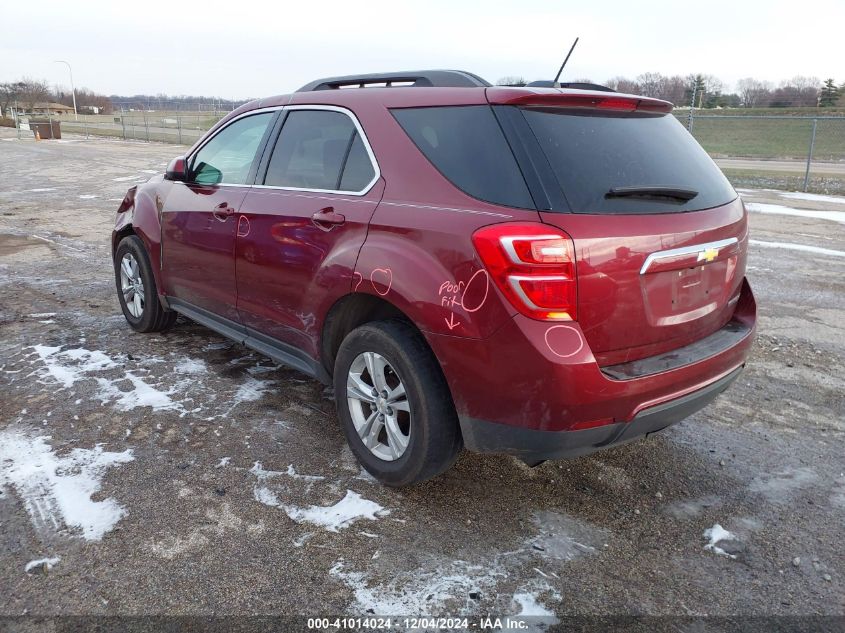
(604, 101)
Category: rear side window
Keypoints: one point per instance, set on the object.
(319, 149)
(358, 171)
(467, 146)
(592, 153)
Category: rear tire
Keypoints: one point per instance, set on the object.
(411, 434)
(136, 288)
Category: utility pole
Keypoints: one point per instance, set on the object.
(72, 89)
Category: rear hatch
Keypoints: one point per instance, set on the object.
(660, 235)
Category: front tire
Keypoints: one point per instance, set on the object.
(136, 288)
(395, 405)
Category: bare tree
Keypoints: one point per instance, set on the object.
(511, 80)
(25, 92)
(797, 92)
(802, 83)
(675, 90)
(32, 91)
(651, 84)
(623, 84)
(753, 92)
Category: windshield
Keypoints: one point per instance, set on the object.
(628, 162)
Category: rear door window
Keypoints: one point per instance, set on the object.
(467, 146)
(319, 150)
(593, 153)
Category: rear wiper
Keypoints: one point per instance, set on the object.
(652, 191)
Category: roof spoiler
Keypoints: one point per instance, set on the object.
(593, 100)
(577, 85)
(416, 78)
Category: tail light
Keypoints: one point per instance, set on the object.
(533, 265)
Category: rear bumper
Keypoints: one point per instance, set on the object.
(534, 389)
(533, 445)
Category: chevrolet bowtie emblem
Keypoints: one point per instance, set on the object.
(708, 254)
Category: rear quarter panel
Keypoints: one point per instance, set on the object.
(419, 254)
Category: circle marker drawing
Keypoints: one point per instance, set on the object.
(472, 279)
(383, 272)
(564, 340)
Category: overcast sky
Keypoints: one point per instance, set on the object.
(243, 49)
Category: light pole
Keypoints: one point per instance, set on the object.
(72, 89)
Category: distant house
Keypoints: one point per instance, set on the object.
(50, 108)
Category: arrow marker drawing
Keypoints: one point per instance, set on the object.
(450, 322)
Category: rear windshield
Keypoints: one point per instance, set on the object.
(592, 153)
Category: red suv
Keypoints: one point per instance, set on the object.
(542, 272)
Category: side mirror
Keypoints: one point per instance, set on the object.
(177, 170)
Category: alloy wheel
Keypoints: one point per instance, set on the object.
(131, 285)
(379, 406)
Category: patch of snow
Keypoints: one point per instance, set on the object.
(49, 563)
(70, 366)
(260, 369)
(292, 473)
(777, 209)
(365, 476)
(56, 490)
(528, 606)
(561, 537)
(42, 315)
(814, 197)
(141, 394)
(250, 391)
(781, 486)
(422, 592)
(715, 535)
(344, 513)
(124, 178)
(41, 189)
(224, 461)
(88, 196)
(215, 346)
(816, 250)
(266, 496)
(191, 366)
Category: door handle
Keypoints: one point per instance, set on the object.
(223, 211)
(326, 219)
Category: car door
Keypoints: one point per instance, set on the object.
(199, 217)
(301, 228)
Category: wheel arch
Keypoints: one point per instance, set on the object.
(349, 312)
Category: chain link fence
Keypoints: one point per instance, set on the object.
(798, 153)
(167, 127)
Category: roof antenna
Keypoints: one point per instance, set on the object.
(560, 70)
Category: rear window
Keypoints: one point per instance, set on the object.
(467, 146)
(592, 153)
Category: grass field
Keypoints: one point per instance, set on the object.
(786, 181)
(768, 138)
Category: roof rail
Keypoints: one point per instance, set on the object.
(577, 85)
(417, 78)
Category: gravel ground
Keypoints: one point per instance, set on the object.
(181, 474)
